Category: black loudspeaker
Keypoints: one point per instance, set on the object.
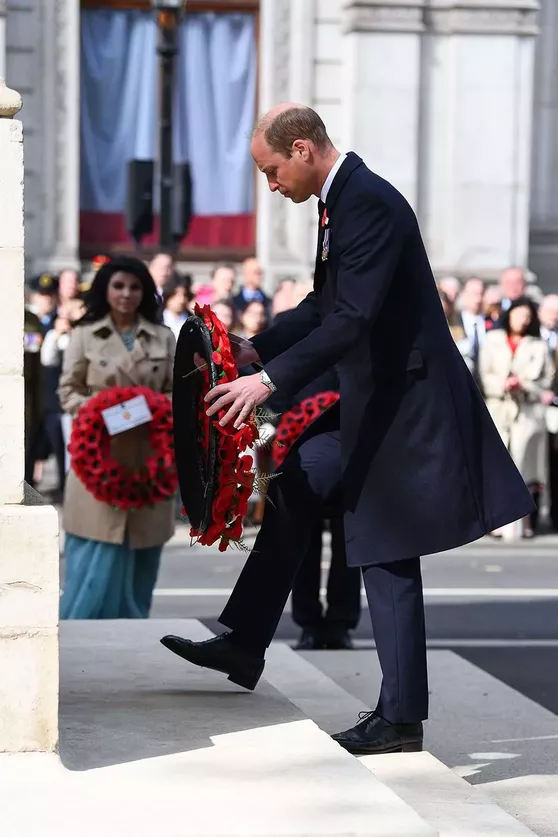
(182, 200)
(139, 198)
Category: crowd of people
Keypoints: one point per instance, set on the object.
(507, 334)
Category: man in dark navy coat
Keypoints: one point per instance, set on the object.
(410, 454)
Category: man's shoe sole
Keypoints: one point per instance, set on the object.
(408, 747)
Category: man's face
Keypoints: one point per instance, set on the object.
(161, 268)
(471, 298)
(512, 283)
(548, 313)
(292, 176)
(223, 282)
(252, 274)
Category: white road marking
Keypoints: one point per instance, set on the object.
(429, 592)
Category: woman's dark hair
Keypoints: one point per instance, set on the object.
(96, 302)
(175, 282)
(534, 327)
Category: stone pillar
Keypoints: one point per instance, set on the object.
(544, 191)
(286, 36)
(29, 576)
(3, 13)
(381, 64)
(476, 117)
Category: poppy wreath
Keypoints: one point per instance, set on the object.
(107, 479)
(295, 421)
(235, 474)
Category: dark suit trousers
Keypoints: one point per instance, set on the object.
(310, 481)
(343, 583)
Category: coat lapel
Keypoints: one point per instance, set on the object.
(114, 349)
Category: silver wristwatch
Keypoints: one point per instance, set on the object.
(265, 379)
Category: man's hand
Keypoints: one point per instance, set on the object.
(243, 351)
(243, 396)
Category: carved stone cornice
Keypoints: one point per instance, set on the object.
(482, 17)
(383, 16)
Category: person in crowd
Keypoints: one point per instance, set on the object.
(548, 316)
(54, 345)
(251, 289)
(223, 278)
(177, 297)
(512, 285)
(161, 268)
(226, 313)
(515, 370)
(43, 299)
(282, 298)
(253, 319)
(451, 286)
(456, 329)
(492, 307)
(32, 375)
(42, 292)
(113, 555)
(69, 282)
(472, 320)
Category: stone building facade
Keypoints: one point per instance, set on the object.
(454, 101)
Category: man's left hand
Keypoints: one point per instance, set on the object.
(241, 396)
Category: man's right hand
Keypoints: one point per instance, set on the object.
(243, 351)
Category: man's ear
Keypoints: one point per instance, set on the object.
(301, 149)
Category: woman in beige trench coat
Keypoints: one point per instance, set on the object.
(515, 368)
(112, 555)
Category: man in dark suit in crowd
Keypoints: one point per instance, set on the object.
(411, 455)
(251, 288)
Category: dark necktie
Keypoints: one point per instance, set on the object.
(476, 342)
(321, 207)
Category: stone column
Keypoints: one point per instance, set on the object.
(381, 63)
(3, 13)
(286, 30)
(476, 117)
(29, 579)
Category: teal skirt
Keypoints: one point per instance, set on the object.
(108, 581)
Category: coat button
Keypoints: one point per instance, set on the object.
(155, 368)
(102, 363)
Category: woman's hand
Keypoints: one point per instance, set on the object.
(512, 384)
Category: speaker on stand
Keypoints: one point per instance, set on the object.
(139, 199)
(182, 201)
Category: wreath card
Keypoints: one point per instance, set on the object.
(126, 415)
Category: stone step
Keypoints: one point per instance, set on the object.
(160, 747)
(442, 798)
(503, 742)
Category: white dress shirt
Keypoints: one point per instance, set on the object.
(329, 179)
(470, 321)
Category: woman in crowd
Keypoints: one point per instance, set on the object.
(253, 319)
(226, 313)
(177, 296)
(112, 555)
(515, 369)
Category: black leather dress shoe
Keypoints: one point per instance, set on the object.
(373, 735)
(309, 640)
(219, 653)
(337, 639)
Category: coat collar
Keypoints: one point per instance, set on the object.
(106, 325)
(351, 162)
(112, 346)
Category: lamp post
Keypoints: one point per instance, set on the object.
(168, 16)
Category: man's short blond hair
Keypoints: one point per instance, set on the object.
(283, 129)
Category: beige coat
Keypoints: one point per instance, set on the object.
(96, 359)
(520, 418)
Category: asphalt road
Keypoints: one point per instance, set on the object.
(494, 604)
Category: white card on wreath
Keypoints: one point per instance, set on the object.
(126, 415)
